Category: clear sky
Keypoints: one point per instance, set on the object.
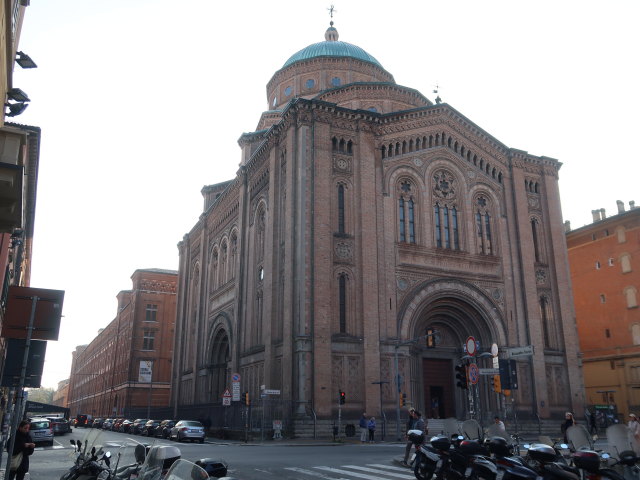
(141, 103)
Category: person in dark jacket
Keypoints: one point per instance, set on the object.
(24, 443)
(569, 421)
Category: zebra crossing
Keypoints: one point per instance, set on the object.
(371, 471)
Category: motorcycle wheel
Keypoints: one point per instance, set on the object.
(419, 469)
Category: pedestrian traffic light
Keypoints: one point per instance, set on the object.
(403, 399)
(343, 398)
(495, 383)
(461, 377)
(246, 398)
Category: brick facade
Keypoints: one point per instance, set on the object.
(606, 283)
(361, 215)
(105, 375)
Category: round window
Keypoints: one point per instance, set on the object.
(335, 81)
(287, 91)
(310, 83)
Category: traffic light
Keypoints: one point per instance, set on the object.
(403, 399)
(343, 398)
(508, 374)
(246, 398)
(461, 377)
(495, 383)
(431, 340)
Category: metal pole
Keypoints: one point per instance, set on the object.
(395, 363)
(20, 389)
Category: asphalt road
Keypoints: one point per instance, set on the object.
(278, 461)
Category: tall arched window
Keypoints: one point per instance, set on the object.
(625, 262)
(340, 208)
(630, 293)
(483, 226)
(436, 216)
(535, 231)
(406, 213)
(445, 212)
(342, 302)
(233, 255)
(548, 325)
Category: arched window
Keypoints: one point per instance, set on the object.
(436, 216)
(233, 255)
(406, 213)
(620, 232)
(445, 212)
(340, 208)
(342, 302)
(222, 276)
(536, 239)
(548, 325)
(213, 270)
(625, 262)
(635, 333)
(630, 294)
(483, 226)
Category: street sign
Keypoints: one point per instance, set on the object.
(471, 346)
(474, 373)
(235, 387)
(226, 401)
(271, 392)
(226, 393)
(235, 377)
(489, 371)
(525, 351)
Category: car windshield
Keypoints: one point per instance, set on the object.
(39, 425)
(192, 424)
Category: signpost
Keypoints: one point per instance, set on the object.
(235, 387)
(474, 373)
(489, 371)
(471, 346)
(525, 351)
(226, 398)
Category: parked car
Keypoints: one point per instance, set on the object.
(125, 426)
(108, 422)
(60, 425)
(97, 423)
(41, 431)
(149, 428)
(137, 425)
(116, 424)
(164, 429)
(187, 430)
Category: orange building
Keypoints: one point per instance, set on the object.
(605, 274)
(126, 369)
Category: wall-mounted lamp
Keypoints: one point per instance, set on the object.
(16, 108)
(25, 61)
(18, 95)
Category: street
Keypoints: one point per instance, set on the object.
(282, 461)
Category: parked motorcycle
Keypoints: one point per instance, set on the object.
(590, 464)
(428, 459)
(90, 460)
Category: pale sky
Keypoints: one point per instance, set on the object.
(141, 103)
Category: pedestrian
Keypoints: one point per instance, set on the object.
(634, 433)
(499, 423)
(364, 431)
(22, 448)
(593, 426)
(371, 426)
(569, 421)
(417, 423)
(407, 449)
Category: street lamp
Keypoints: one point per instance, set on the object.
(384, 418)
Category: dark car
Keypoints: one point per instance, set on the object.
(97, 423)
(125, 426)
(164, 429)
(138, 425)
(149, 428)
(84, 420)
(187, 430)
(60, 425)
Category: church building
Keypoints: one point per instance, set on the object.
(364, 216)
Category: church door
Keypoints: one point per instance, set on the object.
(439, 397)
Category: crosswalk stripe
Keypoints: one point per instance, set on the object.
(377, 470)
(389, 467)
(347, 472)
(313, 474)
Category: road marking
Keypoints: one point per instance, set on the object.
(377, 470)
(347, 472)
(313, 474)
(388, 467)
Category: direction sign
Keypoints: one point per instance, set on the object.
(474, 373)
(525, 351)
(489, 371)
(471, 346)
(271, 392)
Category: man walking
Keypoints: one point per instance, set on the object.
(415, 423)
(364, 430)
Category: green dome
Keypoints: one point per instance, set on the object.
(331, 48)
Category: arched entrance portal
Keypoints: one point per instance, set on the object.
(456, 310)
(219, 365)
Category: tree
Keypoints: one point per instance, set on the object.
(41, 395)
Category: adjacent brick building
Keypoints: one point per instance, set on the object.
(605, 274)
(362, 216)
(126, 369)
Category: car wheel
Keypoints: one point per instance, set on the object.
(202, 440)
